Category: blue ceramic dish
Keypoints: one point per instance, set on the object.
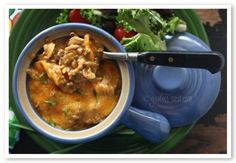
(27, 110)
(182, 95)
(167, 97)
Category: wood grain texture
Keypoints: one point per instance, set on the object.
(211, 17)
(205, 139)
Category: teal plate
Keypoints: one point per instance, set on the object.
(121, 139)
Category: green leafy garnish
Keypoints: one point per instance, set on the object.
(65, 111)
(78, 91)
(175, 24)
(157, 23)
(149, 25)
(43, 78)
(50, 102)
(52, 122)
(142, 21)
(94, 16)
(141, 42)
(63, 17)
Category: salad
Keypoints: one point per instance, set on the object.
(137, 29)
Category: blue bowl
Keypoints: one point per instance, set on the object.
(20, 84)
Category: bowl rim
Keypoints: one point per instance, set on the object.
(24, 53)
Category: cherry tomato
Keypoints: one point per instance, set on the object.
(15, 18)
(120, 33)
(74, 16)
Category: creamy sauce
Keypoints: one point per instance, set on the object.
(91, 102)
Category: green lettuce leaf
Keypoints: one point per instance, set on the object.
(143, 21)
(142, 42)
(150, 26)
(94, 16)
(63, 17)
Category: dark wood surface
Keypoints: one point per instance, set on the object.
(208, 136)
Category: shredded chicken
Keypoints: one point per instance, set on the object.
(48, 50)
(54, 72)
(34, 74)
(75, 40)
(78, 60)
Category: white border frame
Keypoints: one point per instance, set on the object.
(53, 6)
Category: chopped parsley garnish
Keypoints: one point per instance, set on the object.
(52, 122)
(50, 102)
(65, 111)
(43, 78)
(78, 91)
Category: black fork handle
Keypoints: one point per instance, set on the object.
(212, 61)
